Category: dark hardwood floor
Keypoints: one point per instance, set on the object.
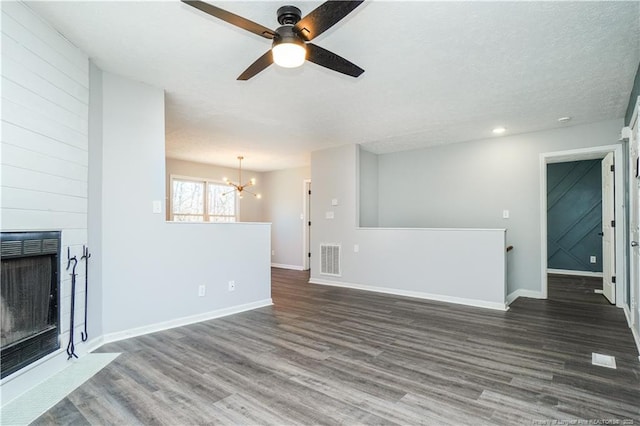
(572, 288)
(325, 355)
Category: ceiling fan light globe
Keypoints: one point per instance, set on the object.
(289, 55)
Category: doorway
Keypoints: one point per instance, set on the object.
(617, 263)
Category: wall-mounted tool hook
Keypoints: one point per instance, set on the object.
(85, 255)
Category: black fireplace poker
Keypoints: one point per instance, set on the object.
(71, 349)
(85, 255)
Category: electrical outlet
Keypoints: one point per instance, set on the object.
(592, 259)
(232, 285)
(201, 290)
(356, 248)
(273, 252)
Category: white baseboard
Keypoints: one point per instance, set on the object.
(636, 337)
(415, 294)
(283, 266)
(576, 273)
(94, 344)
(511, 297)
(178, 322)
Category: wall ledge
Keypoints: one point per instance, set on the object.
(414, 294)
(179, 223)
(409, 228)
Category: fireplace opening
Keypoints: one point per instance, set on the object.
(29, 298)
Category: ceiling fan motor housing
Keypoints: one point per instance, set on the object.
(288, 15)
(285, 34)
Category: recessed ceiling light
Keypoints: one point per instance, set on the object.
(564, 119)
(499, 130)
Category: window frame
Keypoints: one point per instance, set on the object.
(205, 216)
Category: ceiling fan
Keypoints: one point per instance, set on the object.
(291, 42)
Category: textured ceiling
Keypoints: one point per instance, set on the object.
(435, 72)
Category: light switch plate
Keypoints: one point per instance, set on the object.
(157, 206)
(334, 202)
(505, 214)
(328, 215)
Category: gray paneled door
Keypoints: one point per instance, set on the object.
(574, 215)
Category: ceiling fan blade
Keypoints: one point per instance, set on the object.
(232, 18)
(260, 64)
(324, 17)
(327, 59)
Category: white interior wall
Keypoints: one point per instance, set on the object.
(415, 262)
(250, 207)
(283, 208)
(470, 184)
(94, 217)
(45, 96)
(152, 268)
(368, 189)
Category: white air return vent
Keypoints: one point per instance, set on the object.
(330, 259)
(603, 360)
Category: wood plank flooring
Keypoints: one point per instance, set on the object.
(572, 288)
(324, 355)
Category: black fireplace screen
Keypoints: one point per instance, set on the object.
(26, 298)
(29, 284)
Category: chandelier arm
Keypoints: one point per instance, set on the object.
(229, 192)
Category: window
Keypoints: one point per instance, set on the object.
(195, 200)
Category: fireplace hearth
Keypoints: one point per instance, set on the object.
(29, 298)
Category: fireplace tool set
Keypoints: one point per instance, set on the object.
(85, 255)
(71, 350)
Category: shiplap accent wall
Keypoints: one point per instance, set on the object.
(44, 144)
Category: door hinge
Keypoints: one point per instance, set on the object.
(613, 223)
(613, 168)
(309, 192)
(613, 279)
(309, 254)
(309, 223)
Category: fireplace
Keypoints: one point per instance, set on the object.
(29, 298)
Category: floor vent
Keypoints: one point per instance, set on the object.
(330, 259)
(603, 360)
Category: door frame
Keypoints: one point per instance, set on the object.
(594, 153)
(306, 218)
(632, 311)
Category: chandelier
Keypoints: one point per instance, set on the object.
(239, 187)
